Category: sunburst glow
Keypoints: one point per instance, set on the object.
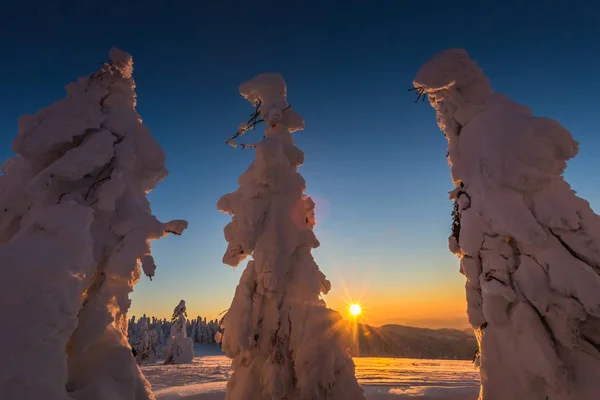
(355, 309)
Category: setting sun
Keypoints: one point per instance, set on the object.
(355, 309)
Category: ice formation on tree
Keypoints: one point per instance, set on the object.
(180, 348)
(528, 246)
(284, 341)
(75, 226)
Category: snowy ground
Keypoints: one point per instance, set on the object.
(382, 378)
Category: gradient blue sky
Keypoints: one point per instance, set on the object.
(375, 161)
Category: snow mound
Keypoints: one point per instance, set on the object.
(528, 246)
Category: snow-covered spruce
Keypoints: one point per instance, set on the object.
(284, 341)
(143, 348)
(74, 226)
(180, 348)
(205, 331)
(528, 246)
(200, 331)
(154, 345)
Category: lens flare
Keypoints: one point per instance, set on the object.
(355, 309)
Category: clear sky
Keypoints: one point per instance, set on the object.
(375, 161)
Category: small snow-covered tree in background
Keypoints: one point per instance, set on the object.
(76, 194)
(161, 340)
(180, 348)
(143, 345)
(528, 246)
(204, 333)
(166, 330)
(284, 341)
(154, 345)
(131, 329)
(194, 332)
(198, 337)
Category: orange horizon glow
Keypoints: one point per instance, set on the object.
(441, 305)
(435, 308)
(403, 290)
(433, 301)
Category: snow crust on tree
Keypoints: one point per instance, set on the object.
(75, 225)
(180, 348)
(284, 341)
(528, 246)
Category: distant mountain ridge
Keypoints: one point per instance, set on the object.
(410, 342)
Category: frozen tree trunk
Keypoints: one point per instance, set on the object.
(528, 246)
(76, 193)
(283, 340)
(180, 348)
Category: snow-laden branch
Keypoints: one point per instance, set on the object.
(274, 110)
(176, 226)
(250, 124)
(420, 93)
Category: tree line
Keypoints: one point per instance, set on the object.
(149, 336)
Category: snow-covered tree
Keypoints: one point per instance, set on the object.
(198, 337)
(131, 326)
(154, 345)
(284, 341)
(194, 332)
(180, 348)
(143, 345)
(204, 332)
(528, 246)
(214, 328)
(200, 332)
(160, 340)
(74, 229)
